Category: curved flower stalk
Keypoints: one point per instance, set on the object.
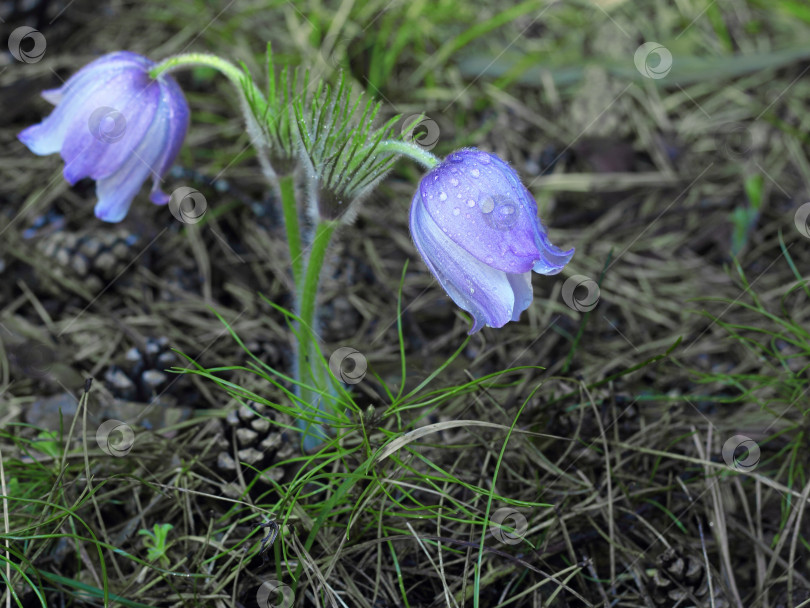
(476, 227)
(117, 125)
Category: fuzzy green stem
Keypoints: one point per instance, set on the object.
(234, 74)
(309, 364)
(412, 151)
(287, 187)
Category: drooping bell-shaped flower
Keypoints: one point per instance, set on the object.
(116, 125)
(476, 226)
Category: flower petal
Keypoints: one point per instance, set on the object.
(522, 290)
(481, 290)
(175, 106)
(552, 259)
(115, 192)
(48, 136)
(110, 125)
(479, 202)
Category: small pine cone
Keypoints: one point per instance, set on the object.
(93, 258)
(140, 375)
(260, 439)
(681, 580)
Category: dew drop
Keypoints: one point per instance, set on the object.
(471, 203)
(483, 158)
(472, 290)
(454, 181)
(442, 196)
(456, 157)
(475, 172)
(490, 259)
(456, 211)
(487, 204)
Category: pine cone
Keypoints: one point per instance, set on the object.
(140, 376)
(260, 439)
(92, 257)
(681, 581)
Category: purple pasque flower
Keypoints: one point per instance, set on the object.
(116, 125)
(476, 227)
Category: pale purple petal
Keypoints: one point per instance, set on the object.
(478, 200)
(175, 106)
(482, 291)
(552, 259)
(115, 192)
(522, 292)
(49, 136)
(110, 125)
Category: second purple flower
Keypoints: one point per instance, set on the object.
(116, 125)
(476, 227)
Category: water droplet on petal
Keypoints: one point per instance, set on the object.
(454, 181)
(456, 157)
(483, 158)
(475, 172)
(472, 289)
(490, 259)
(471, 203)
(456, 211)
(486, 204)
(442, 196)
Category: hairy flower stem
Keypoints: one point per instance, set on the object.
(412, 151)
(287, 187)
(314, 381)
